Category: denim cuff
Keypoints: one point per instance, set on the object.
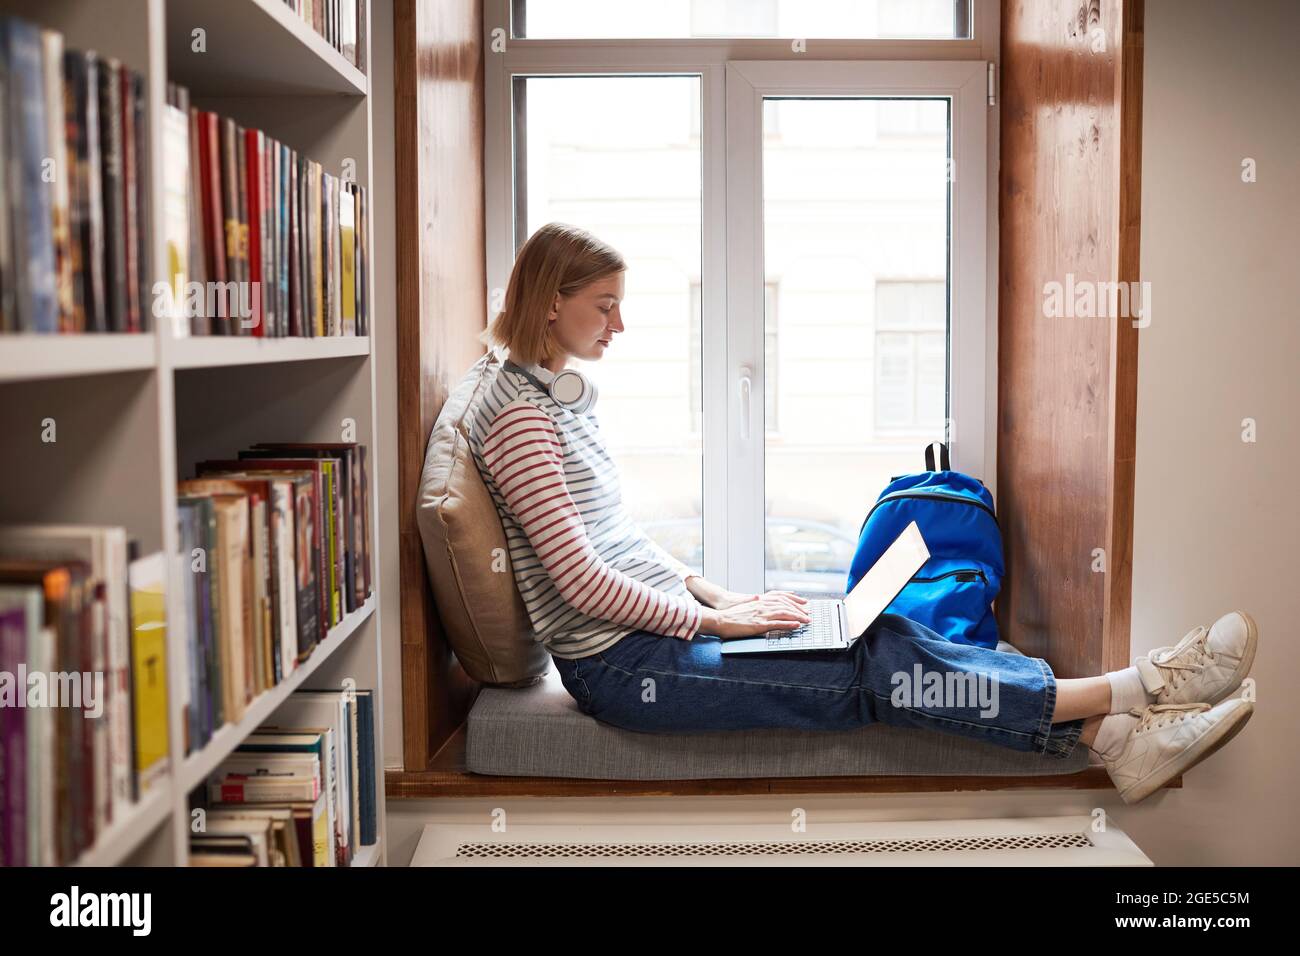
(1054, 740)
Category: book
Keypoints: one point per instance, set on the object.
(32, 249)
(280, 750)
(81, 99)
(172, 300)
(255, 214)
(130, 233)
(103, 549)
(149, 667)
(60, 197)
(334, 710)
(230, 311)
(112, 193)
(74, 209)
(317, 525)
(347, 260)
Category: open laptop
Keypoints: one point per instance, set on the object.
(837, 624)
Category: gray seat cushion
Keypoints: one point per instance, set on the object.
(538, 731)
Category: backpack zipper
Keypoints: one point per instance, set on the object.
(973, 574)
(898, 495)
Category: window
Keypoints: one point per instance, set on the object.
(603, 19)
(805, 300)
(911, 354)
(770, 421)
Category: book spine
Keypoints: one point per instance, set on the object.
(246, 316)
(187, 519)
(197, 263)
(237, 790)
(366, 756)
(13, 745)
(270, 277)
(74, 147)
(230, 221)
(306, 564)
(318, 252)
(253, 196)
(83, 651)
(295, 271)
(8, 301)
(177, 184)
(34, 268)
(111, 193)
(130, 206)
(144, 257)
(285, 260)
(101, 743)
(347, 261)
(214, 221)
(60, 197)
(212, 647)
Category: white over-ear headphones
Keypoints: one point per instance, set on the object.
(568, 387)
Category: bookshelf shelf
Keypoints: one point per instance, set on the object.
(214, 351)
(254, 48)
(199, 765)
(125, 440)
(124, 836)
(30, 356)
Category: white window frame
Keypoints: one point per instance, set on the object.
(738, 72)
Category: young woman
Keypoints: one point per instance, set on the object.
(635, 634)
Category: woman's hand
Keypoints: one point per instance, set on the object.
(728, 599)
(756, 614)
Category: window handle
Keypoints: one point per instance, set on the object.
(746, 386)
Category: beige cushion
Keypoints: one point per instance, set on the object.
(481, 610)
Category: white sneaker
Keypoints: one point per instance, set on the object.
(1169, 739)
(1205, 666)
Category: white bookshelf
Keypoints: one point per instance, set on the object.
(203, 352)
(135, 412)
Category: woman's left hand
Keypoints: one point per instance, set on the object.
(732, 598)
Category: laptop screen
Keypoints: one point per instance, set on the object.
(881, 584)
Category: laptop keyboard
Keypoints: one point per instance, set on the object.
(816, 633)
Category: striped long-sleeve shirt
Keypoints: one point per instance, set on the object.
(587, 573)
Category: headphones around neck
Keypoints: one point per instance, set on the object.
(568, 387)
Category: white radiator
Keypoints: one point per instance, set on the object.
(1033, 841)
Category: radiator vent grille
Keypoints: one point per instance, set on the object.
(556, 851)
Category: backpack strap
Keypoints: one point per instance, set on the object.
(944, 463)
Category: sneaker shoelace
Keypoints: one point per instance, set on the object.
(1193, 646)
(1155, 716)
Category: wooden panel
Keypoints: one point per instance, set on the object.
(1071, 87)
(1124, 347)
(442, 306)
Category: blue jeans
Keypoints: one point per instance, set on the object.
(899, 673)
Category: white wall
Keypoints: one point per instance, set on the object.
(1218, 520)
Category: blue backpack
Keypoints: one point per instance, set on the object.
(953, 592)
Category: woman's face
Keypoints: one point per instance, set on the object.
(583, 324)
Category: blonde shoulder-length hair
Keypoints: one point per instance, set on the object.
(558, 257)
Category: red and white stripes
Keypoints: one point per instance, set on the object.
(525, 456)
